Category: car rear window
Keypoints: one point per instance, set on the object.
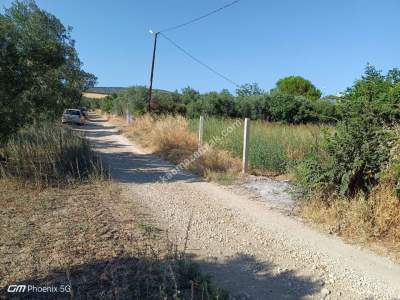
(72, 112)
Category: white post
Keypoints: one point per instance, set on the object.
(201, 130)
(245, 167)
(127, 113)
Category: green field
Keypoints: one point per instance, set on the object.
(273, 147)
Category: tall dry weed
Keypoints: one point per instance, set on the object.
(49, 154)
(170, 137)
(363, 218)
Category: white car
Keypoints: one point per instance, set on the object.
(73, 116)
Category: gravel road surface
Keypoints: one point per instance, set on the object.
(248, 247)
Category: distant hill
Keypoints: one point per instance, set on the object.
(112, 90)
(106, 90)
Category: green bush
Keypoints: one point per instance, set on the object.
(212, 104)
(357, 153)
(354, 156)
(256, 107)
(292, 109)
(251, 102)
(107, 104)
(92, 104)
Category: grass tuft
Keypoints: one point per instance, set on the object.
(49, 154)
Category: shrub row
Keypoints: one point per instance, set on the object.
(274, 106)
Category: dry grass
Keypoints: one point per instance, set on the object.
(274, 148)
(171, 138)
(217, 161)
(81, 236)
(163, 134)
(373, 220)
(94, 95)
(49, 155)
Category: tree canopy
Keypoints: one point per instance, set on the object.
(297, 86)
(40, 71)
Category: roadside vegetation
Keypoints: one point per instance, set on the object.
(282, 104)
(170, 137)
(49, 155)
(40, 76)
(40, 71)
(57, 227)
(353, 183)
(274, 148)
(340, 151)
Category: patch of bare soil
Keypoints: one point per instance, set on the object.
(73, 240)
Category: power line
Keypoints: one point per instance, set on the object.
(199, 61)
(199, 18)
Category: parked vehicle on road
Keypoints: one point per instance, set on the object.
(84, 111)
(73, 116)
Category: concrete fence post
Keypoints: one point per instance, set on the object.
(246, 134)
(128, 115)
(201, 130)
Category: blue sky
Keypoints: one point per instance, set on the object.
(328, 42)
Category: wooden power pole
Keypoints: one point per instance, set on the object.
(152, 70)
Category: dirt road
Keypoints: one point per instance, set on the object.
(249, 248)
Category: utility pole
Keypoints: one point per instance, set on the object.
(152, 69)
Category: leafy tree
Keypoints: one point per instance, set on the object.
(13, 81)
(394, 93)
(297, 86)
(167, 102)
(189, 95)
(249, 89)
(325, 110)
(194, 109)
(107, 103)
(291, 109)
(213, 103)
(379, 91)
(134, 99)
(372, 86)
(359, 149)
(254, 107)
(218, 104)
(40, 70)
(393, 76)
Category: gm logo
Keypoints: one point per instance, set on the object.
(16, 288)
